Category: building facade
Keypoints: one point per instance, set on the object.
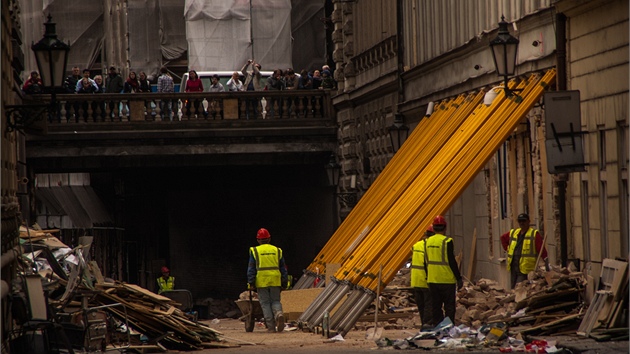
(397, 57)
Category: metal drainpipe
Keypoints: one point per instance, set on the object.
(342, 290)
(310, 310)
(561, 181)
(400, 50)
(347, 305)
(356, 312)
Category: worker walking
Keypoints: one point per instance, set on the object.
(166, 282)
(442, 272)
(267, 273)
(523, 246)
(419, 279)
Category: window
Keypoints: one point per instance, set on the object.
(602, 148)
(623, 199)
(586, 248)
(603, 218)
(622, 145)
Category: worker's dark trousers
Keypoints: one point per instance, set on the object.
(423, 300)
(516, 275)
(442, 294)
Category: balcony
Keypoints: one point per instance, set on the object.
(96, 131)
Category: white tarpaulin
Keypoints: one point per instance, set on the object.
(223, 34)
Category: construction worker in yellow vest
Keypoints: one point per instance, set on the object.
(165, 282)
(442, 272)
(267, 273)
(523, 246)
(419, 279)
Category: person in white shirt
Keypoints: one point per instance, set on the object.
(234, 84)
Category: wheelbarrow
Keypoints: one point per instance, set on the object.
(251, 310)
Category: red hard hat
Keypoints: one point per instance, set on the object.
(165, 270)
(262, 234)
(430, 229)
(439, 220)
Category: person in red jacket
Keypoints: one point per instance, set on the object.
(193, 84)
(34, 84)
(523, 245)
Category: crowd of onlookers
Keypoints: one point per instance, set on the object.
(248, 79)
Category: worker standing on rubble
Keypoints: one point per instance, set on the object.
(442, 272)
(523, 246)
(166, 282)
(267, 273)
(419, 279)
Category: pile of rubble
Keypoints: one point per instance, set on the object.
(552, 302)
(119, 315)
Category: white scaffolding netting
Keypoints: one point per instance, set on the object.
(222, 34)
(216, 34)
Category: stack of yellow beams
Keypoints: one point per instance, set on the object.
(424, 179)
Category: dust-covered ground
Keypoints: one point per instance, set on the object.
(292, 340)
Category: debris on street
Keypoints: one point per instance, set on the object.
(120, 315)
(549, 303)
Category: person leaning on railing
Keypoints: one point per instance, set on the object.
(113, 84)
(165, 85)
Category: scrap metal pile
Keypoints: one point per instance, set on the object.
(119, 315)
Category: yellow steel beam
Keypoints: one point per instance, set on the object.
(452, 169)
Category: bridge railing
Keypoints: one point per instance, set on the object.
(156, 107)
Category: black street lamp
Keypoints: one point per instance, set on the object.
(333, 171)
(398, 132)
(504, 48)
(51, 56)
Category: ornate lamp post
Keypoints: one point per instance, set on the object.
(51, 56)
(398, 132)
(504, 48)
(348, 199)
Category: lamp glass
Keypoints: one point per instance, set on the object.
(51, 55)
(333, 170)
(398, 132)
(504, 49)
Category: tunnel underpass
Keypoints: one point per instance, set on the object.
(200, 222)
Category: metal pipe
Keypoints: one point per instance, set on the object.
(307, 278)
(9, 256)
(561, 180)
(330, 304)
(357, 311)
(343, 310)
(318, 301)
(4, 289)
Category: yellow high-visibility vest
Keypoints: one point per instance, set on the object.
(527, 262)
(267, 265)
(418, 266)
(438, 269)
(165, 284)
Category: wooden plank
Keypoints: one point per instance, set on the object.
(96, 271)
(613, 275)
(294, 302)
(146, 292)
(514, 173)
(473, 251)
(552, 323)
(590, 317)
(544, 177)
(386, 316)
(529, 171)
(331, 269)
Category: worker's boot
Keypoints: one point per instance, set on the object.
(280, 321)
(271, 326)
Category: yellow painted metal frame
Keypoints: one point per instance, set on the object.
(425, 177)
